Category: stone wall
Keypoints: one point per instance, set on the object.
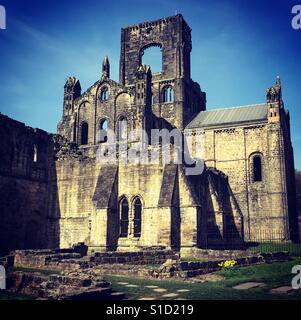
(88, 209)
(264, 205)
(26, 167)
(72, 259)
(57, 287)
(137, 258)
(54, 192)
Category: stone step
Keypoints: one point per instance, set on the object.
(117, 296)
(249, 285)
(62, 256)
(90, 294)
(284, 290)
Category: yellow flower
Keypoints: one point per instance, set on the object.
(228, 264)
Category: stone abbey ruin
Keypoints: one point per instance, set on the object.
(55, 194)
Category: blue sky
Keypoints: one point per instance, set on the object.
(238, 49)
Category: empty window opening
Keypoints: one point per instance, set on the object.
(168, 94)
(137, 217)
(84, 133)
(104, 94)
(257, 169)
(124, 218)
(152, 56)
(103, 131)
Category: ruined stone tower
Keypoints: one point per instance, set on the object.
(246, 189)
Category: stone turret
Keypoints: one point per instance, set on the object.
(72, 90)
(106, 68)
(143, 99)
(274, 100)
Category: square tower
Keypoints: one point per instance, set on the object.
(176, 99)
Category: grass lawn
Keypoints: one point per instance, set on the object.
(273, 275)
(292, 248)
(4, 295)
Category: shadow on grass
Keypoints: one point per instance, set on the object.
(273, 275)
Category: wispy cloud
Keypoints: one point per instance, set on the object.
(13, 85)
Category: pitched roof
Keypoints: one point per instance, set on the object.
(229, 116)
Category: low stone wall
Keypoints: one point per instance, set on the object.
(69, 260)
(48, 257)
(194, 269)
(40, 259)
(175, 269)
(56, 287)
(137, 258)
(115, 269)
(134, 263)
(197, 253)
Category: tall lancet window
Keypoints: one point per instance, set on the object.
(104, 94)
(103, 131)
(124, 217)
(84, 133)
(257, 169)
(137, 217)
(168, 94)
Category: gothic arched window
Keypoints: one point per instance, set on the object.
(102, 133)
(257, 169)
(168, 94)
(137, 205)
(104, 94)
(124, 217)
(84, 133)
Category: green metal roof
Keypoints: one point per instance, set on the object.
(228, 116)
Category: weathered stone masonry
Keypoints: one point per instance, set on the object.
(66, 196)
(26, 169)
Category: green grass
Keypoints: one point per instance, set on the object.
(4, 295)
(273, 275)
(293, 248)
